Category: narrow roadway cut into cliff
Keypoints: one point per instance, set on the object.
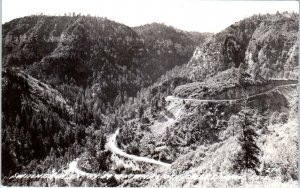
(112, 143)
(168, 98)
(73, 168)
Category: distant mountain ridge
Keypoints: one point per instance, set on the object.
(69, 74)
(168, 102)
(95, 52)
(94, 42)
(168, 46)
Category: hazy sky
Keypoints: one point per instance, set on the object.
(190, 15)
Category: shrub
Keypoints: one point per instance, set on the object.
(283, 118)
(274, 117)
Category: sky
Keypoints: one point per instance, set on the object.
(189, 15)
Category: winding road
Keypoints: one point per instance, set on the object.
(112, 146)
(227, 100)
(73, 168)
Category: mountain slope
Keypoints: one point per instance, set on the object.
(167, 46)
(227, 123)
(34, 116)
(198, 123)
(106, 57)
(265, 44)
(77, 71)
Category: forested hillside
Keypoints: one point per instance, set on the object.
(40, 130)
(145, 106)
(167, 46)
(107, 57)
(195, 120)
(92, 64)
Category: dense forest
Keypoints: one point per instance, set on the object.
(94, 65)
(69, 82)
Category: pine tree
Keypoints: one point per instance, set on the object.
(248, 156)
(141, 111)
(103, 142)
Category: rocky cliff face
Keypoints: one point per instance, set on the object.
(267, 45)
(92, 64)
(228, 91)
(202, 136)
(274, 48)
